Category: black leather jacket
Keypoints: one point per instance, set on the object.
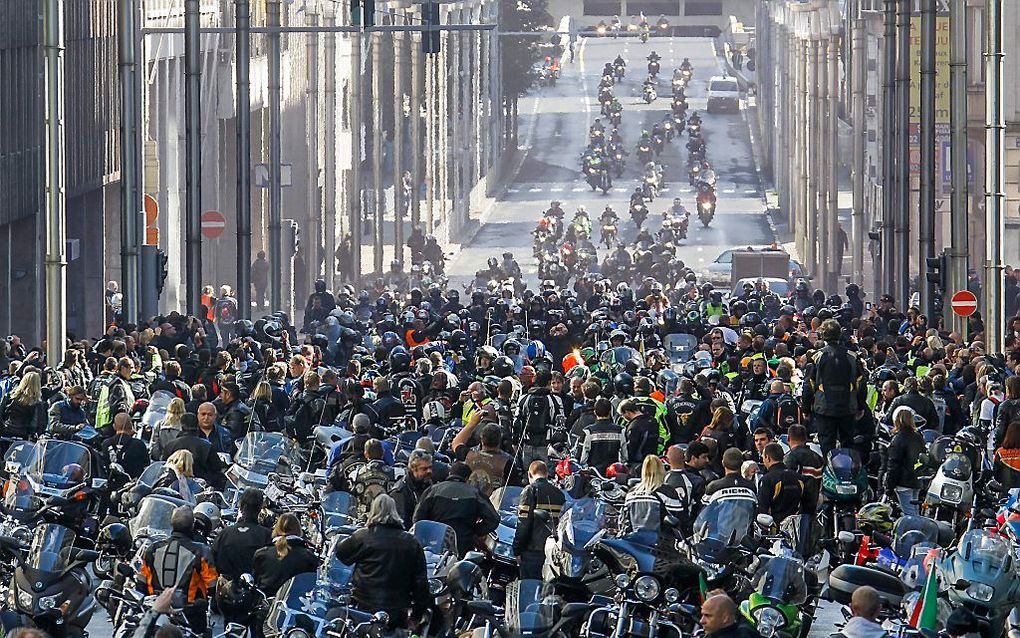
(389, 568)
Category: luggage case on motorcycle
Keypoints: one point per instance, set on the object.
(845, 579)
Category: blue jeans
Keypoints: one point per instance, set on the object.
(907, 496)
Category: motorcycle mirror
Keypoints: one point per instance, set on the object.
(845, 536)
(99, 483)
(962, 584)
(235, 629)
(474, 557)
(765, 520)
(482, 608)
(381, 617)
(247, 579)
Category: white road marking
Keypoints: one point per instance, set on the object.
(701, 248)
(730, 190)
(579, 189)
(751, 191)
(556, 189)
(513, 190)
(535, 190)
(619, 190)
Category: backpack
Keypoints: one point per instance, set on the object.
(787, 413)
(226, 310)
(657, 411)
(538, 416)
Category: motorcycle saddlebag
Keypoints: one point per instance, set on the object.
(845, 579)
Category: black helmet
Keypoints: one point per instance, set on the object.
(399, 360)
(463, 577)
(853, 290)
(824, 313)
(750, 320)
(116, 536)
(623, 383)
(320, 285)
(503, 367)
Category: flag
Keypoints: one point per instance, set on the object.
(703, 586)
(925, 613)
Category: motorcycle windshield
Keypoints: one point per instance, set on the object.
(51, 548)
(910, 531)
(781, 579)
(620, 355)
(680, 347)
(156, 412)
(61, 464)
(985, 553)
(153, 518)
(844, 465)
(724, 522)
(436, 539)
(581, 522)
(339, 509)
(151, 474)
(531, 607)
(265, 452)
(21, 497)
(19, 456)
(505, 500)
(957, 467)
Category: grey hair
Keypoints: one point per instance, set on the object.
(425, 444)
(418, 456)
(383, 512)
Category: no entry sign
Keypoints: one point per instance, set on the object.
(213, 223)
(964, 303)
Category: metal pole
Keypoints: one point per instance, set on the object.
(329, 165)
(276, 258)
(431, 144)
(959, 241)
(130, 150)
(356, 143)
(399, 93)
(822, 155)
(803, 147)
(193, 152)
(860, 132)
(995, 180)
(902, 253)
(889, 150)
(416, 146)
(56, 240)
(314, 216)
(926, 198)
(242, 52)
(833, 248)
(814, 113)
(377, 139)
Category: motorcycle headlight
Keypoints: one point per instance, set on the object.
(770, 620)
(846, 489)
(621, 580)
(436, 586)
(951, 493)
(646, 588)
(981, 591)
(672, 595)
(25, 599)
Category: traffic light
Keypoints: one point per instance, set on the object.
(363, 13)
(431, 36)
(938, 270)
(162, 270)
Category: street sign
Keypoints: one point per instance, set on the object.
(260, 175)
(964, 303)
(151, 215)
(213, 223)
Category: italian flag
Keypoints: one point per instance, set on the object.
(703, 586)
(925, 613)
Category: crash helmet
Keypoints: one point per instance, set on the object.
(566, 467)
(503, 367)
(116, 536)
(623, 383)
(207, 517)
(433, 412)
(875, 517)
(399, 360)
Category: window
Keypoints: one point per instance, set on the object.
(654, 8)
(602, 7)
(703, 8)
(724, 85)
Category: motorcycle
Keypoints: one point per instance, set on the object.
(270, 462)
(649, 94)
(615, 117)
(638, 213)
(779, 603)
(950, 493)
(532, 610)
(618, 72)
(608, 236)
(693, 128)
(982, 577)
(644, 153)
(616, 161)
(570, 564)
(706, 205)
(653, 68)
(51, 588)
(668, 129)
(598, 178)
(641, 609)
(645, 34)
(720, 531)
(845, 487)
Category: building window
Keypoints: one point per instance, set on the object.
(703, 8)
(602, 7)
(654, 7)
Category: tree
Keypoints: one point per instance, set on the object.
(521, 53)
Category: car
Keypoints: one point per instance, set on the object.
(723, 94)
(780, 287)
(720, 271)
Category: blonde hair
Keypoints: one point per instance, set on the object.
(653, 475)
(29, 390)
(904, 420)
(722, 418)
(263, 392)
(174, 412)
(286, 525)
(183, 462)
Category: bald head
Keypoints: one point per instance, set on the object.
(865, 603)
(718, 612)
(777, 387)
(675, 457)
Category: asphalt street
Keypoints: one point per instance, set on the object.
(553, 133)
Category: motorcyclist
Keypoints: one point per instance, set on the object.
(459, 505)
(686, 65)
(609, 216)
(537, 515)
(67, 417)
(324, 296)
(653, 57)
(433, 252)
(184, 564)
(619, 61)
(396, 277)
(637, 198)
(233, 554)
(389, 565)
(289, 555)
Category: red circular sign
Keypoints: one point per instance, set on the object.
(213, 224)
(964, 303)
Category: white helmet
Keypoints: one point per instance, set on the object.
(434, 411)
